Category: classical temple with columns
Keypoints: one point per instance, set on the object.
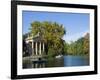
(35, 45)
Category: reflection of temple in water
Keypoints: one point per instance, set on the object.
(34, 49)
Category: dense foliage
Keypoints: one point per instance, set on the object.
(52, 34)
(79, 47)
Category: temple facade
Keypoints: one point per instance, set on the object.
(35, 45)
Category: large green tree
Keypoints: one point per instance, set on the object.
(52, 34)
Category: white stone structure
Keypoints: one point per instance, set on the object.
(37, 45)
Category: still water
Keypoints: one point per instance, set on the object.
(64, 61)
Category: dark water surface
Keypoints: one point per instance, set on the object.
(64, 61)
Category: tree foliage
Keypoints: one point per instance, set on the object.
(52, 34)
(79, 47)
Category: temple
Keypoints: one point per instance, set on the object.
(35, 46)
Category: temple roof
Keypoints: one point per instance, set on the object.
(36, 38)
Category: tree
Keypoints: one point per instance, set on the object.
(79, 47)
(79, 44)
(52, 34)
(66, 47)
(86, 44)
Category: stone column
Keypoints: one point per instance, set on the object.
(43, 46)
(40, 48)
(32, 48)
(36, 47)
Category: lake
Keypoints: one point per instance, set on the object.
(64, 61)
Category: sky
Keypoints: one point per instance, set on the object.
(76, 24)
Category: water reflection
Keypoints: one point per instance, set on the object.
(76, 61)
(64, 61)
(39, 63)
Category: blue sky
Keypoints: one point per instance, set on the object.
(76, 24)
